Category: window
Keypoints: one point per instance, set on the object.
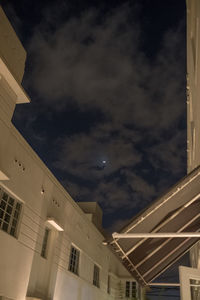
(10, 210)
(131, 290)
(96, 276)
(44, 243)
(108, 285)
(127, 289)
(74, 260)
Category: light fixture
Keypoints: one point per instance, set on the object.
(105, 243)
(54, 224)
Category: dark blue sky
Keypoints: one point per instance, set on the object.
(107, 82)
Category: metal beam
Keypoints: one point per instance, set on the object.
(170, 264)
(163, 284)
(165, 257)
(178, 189)
(165, 242)
(171, 284)
(164, 223)
(142, 235)
(131, 263)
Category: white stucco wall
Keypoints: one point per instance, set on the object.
(193, 101)
(26, 185)
(11, 49)
(193, 84)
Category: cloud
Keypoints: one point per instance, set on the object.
(139, 186)
(169, 155)
(101, 65)
(83, 61)
(86, 153)
(98, 64)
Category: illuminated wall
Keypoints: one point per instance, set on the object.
(193, 101)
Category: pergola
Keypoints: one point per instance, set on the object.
(161, 234)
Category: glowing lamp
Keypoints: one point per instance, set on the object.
(54, 224)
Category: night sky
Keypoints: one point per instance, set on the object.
(107, 81)
(108, 104)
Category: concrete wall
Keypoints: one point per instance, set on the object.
(28, 178)
(11, 49)
(193, 84)
(93, 211)
(193, 102)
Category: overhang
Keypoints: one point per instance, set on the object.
(178, 211)
(22, 97)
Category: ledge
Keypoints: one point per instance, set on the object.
(3, 176)
(22, 97)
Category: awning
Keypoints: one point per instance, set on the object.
(177, 211)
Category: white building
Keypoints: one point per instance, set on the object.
(193, 108)
(50, 248)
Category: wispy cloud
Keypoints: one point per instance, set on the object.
(97, 64)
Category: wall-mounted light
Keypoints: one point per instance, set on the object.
(54, 224)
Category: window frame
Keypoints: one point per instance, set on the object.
(45, 243)
(74, 259)
(109, 284)
(96, 276)
(131, 290)
(10, 213)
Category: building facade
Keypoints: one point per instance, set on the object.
(193, 99)
(50, 247)
(193, 127)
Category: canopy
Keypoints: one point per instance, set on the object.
(177, 211)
